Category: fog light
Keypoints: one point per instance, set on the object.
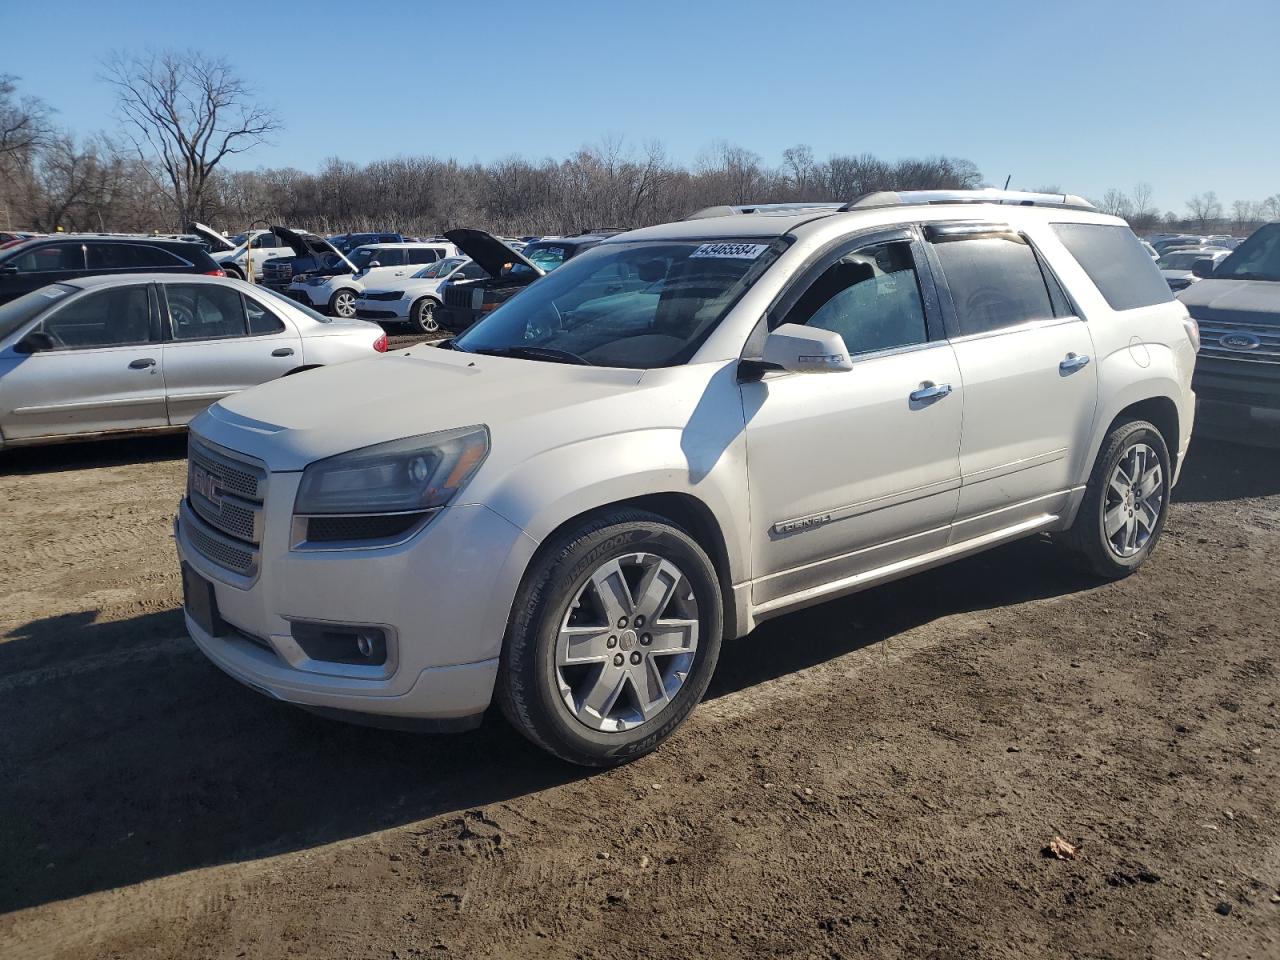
(338, 643)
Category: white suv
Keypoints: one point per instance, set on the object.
(682, 432)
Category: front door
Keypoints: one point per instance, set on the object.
(852, 471)
(220, 342)
(103, 372)
(1030, 382)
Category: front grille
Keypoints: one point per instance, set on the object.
(238, 557)
(1266, 350)
(458, 297)
(384, 295)
(226, 495)
(277, 271)
(364, 314)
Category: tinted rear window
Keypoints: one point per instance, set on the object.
(1116, 262)
(995, 282)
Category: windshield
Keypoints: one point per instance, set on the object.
(1258, 258)
(548, 257)
(297, 305)
(17, 312)
(635, 305)
(441, 268)
(363, 256)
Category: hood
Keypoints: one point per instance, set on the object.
(488, 251)
(217, 242)
(305, 244)
(1176, 274)
(1255, 302)
(291, 422)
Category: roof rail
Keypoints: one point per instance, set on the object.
(890, 198)
(765, 208)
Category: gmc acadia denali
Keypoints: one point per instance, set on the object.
(679, 433)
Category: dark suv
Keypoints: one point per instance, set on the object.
(466, 301)
(39, 262)
(1237, 305)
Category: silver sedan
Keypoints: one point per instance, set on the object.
(147, 352)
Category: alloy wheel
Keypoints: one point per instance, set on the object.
(344, 304)
(1134, 500)
(627, 644)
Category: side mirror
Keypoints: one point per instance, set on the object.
(1203, 268)
(800, 349)
(372, 264)
(34, 342)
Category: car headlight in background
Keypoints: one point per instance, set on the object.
(314, 281)
(385, 492)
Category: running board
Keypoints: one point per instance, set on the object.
(902, 568)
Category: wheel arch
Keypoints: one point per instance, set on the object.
(682, 510)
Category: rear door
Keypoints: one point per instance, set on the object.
(220, 341)
(1030, 383)
(40, 265)
(103, 373)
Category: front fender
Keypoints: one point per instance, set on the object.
(545, 491)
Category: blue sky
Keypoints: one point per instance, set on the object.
(1085, 95)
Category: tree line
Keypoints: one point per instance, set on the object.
(182, 116)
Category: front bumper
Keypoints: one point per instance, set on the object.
(443, 598)
(307, 295)
(1238, 400)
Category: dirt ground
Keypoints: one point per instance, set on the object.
(877, 777)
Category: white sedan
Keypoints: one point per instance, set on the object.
(140, 353)
(413, 300)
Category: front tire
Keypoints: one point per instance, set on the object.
(343, 304)
(613, 639)
(1126, 502)
(422, 316)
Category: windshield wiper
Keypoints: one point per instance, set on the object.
(536, 353)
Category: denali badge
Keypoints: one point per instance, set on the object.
(791, 526)
(1241, 341)
(205, 484)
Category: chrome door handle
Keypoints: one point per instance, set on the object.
(282, 352)
(142, 363)
(1074, 361)
(930, 391)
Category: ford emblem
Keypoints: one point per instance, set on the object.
(1241, 341)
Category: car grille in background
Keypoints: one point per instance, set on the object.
(277, 271)
(299, 296)
(226, 527)
(1266, 341)
(458, 297)
(384, 295)
(364, 314)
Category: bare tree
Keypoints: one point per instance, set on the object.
(799, 165)
(1115, 203)
(1271, 207)
(1204, 209)
(186, 113)
(1143, 213)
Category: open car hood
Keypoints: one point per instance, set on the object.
(217, 242)
(306, 244)
(488, 251)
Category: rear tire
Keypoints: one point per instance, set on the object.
(1125, 503)
(613, 639)
(232, 272)
(422, 316)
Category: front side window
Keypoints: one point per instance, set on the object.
(128, 256)
(365, 257)
(995, 282)
(871, 297)
(266, 241)
(636, 305)
(117, 317)
(205, 311)
(49, 257)
(1258, 258)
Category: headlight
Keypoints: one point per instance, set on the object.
(315, 281)
(414, 475)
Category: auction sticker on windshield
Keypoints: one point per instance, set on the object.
(730, 251)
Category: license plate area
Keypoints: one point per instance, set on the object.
(201, 603)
